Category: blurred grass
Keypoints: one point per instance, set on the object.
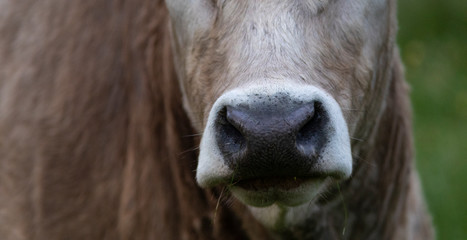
(433, 42)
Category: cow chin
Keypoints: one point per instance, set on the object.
(275, 145)
(302, 193)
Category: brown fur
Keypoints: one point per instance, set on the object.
(95, 144)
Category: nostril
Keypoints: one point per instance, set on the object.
(271, 140)
(310, 138)
(231, 141)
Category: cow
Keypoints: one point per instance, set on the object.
(205, 119)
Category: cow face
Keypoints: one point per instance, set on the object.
(271, 85)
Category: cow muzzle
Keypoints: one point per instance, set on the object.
(274, 144)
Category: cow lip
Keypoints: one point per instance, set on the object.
(261, 184)
(282, 183)
(284, 191)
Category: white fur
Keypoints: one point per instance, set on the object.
(278, 216)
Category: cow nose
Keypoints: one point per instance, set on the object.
(272, 140)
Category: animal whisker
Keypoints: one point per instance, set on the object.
(217, 205)
(344, 205)
(358, 139)
(188, 150)
(192, 135)
(352, 109)
(363, 160)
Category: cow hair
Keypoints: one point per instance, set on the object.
(95, 143)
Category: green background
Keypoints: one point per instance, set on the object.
(433, 43)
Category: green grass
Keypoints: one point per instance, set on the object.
(433, 42)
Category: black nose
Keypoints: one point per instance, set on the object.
(272, 139)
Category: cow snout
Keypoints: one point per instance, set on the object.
(275, 143)
(269, 140)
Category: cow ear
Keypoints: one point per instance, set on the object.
(189, 17)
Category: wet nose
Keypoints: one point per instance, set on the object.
(272, 140)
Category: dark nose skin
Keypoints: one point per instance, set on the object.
(271, 140)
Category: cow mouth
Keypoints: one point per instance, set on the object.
(284, 191)
(262, 184)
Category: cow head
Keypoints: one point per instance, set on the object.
(271, 86)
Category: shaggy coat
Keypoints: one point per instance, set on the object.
(95, 143)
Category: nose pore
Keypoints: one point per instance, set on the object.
(271, 140)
